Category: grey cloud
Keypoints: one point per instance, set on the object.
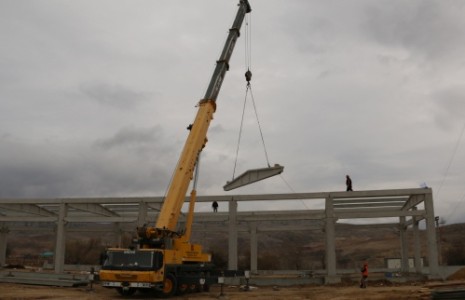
(369, 88)
(132, 137)
(47, 170)
(449, 106)
(429, 28)
(114, 95)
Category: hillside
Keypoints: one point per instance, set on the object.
(276, 250)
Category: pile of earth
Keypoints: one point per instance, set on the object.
(459, 275)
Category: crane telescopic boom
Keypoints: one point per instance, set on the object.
(169, 214)
(164, 259)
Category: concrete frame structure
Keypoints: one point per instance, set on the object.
(409, 205)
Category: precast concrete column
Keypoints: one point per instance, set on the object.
(118, 235)
(3, 244)
(232, 235)
(431, 238)
(330, 242)
(60, 239)
(253, 248)
(142, 215)
(417, 246)
(404, 263)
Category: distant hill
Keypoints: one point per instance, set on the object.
(276, 249)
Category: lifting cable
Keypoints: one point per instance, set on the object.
(457, 144)
(248, 77)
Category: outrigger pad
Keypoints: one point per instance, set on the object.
(252, 176)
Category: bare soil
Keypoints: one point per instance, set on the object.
(412, 291)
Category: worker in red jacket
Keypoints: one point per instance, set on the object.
(363, 281)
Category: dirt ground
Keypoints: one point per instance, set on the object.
(407, 291)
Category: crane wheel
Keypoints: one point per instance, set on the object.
(169, 285)
(182, 288)
(126, 291)
(193, 288)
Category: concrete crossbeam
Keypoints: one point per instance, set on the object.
(371, 213)
(365, 205)
(94, 209)
(226, 198)
(28, 208)
(373, 200)
(413, 201)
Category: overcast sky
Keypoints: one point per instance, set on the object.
(95, 96)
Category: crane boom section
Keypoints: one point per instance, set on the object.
(195, 142)
(171, 209)
(222, 65)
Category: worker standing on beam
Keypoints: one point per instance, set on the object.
(348, 183)
(215, 206)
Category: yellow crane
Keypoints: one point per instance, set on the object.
(164, 260)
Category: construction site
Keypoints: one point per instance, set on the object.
(416, 270)
(385, 243)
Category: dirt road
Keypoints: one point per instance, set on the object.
(20, 292)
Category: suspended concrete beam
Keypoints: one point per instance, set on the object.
(252, 176)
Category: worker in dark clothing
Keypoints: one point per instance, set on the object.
(215, 206)
(363, 280)
(348, 183)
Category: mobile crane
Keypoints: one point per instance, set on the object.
(164, 260)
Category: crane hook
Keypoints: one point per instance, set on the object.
(248, 76)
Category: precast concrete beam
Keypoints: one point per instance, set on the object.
(372, 213)
(101, 219)
(370, 200)
(93, 209)
(413, 201)
(27, 219)
(368, 205)
(251, 176)
(414, 220)
(28, 209)
(226, 198)
(380, 193)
